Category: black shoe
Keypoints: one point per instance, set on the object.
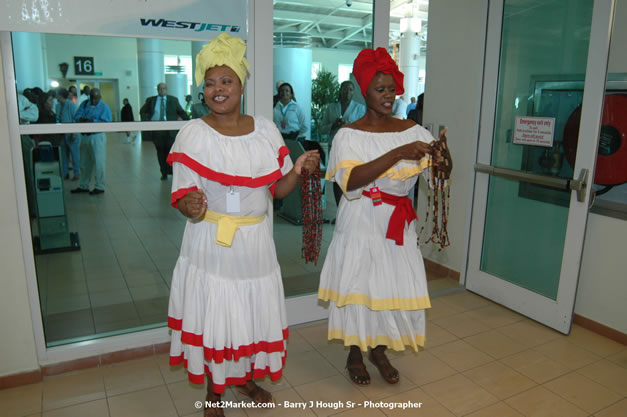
(164, 177)
(79, 190)
(96, 191)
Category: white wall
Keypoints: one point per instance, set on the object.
(603, 276)
(454, 71)
(17, 348)
(331, 58)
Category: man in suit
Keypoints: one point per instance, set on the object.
(162, 107)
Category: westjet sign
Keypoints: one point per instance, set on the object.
(192, 20)
(195, 26)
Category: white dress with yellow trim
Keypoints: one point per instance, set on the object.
(377, 289)
(227, 310)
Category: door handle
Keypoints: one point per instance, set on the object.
(565, 184)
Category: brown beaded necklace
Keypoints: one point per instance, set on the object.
(311, 203)
(440, 193)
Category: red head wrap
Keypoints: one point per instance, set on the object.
(369, 62)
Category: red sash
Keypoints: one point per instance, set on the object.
(403, 213)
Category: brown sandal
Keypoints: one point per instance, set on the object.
(387, 371)
(256, 393)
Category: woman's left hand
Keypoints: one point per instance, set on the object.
(442, 160)
(309, 161)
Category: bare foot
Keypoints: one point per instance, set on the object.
(255, 392)
(213, 399)
(387, 371)
(356, 368)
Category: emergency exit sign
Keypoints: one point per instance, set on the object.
(536, 131)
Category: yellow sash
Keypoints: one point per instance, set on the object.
(228, 225)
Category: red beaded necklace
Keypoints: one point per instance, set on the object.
(311, 203)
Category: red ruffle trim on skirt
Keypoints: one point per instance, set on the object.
(219, 388)
(228, 353)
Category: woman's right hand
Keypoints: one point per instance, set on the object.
(414, 151)
(193, 204)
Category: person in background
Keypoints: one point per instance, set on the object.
(411, 105)
(84, 96)
(373, 275)
(400, 108)
(277, 97)
(227, 308)
(188, 104)
(71, 141)
(45, 101)
(200, 109)
(126, 115)
(93, 146)
(73, 95)
(28, 111)
(288, 116)
(342, 112)
(162, 107)
(416, 114)
(56, 106)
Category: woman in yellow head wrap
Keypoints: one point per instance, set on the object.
(226, 309)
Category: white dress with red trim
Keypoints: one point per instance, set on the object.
(227, 309)
(376, 285)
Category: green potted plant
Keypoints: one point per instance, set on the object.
(324, 90)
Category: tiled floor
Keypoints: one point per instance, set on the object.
(481, 360)
(130, 238)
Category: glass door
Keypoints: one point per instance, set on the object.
(313, 54)
(544, 78)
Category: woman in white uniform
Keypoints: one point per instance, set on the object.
(288, 116)
(226, 310)
(373, 275)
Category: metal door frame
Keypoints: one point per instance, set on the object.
(553, 313)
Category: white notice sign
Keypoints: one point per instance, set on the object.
(537, 131)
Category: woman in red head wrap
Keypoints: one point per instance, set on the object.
(373, 276)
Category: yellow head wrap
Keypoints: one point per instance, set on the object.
(223, 50)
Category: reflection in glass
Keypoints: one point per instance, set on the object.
(104, 254)
(309, 59)
(315, 55)
(114, 274)
(162, 107)
(120, 67)
(408, 38)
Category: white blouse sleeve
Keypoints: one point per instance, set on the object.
(344, 157)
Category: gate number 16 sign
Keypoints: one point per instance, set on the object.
(84, 65)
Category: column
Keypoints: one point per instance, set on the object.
(196, 48)
(29, 61)
(150, 67)
(410, 55)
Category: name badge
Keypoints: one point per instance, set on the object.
(232, 202)
(375, 195)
